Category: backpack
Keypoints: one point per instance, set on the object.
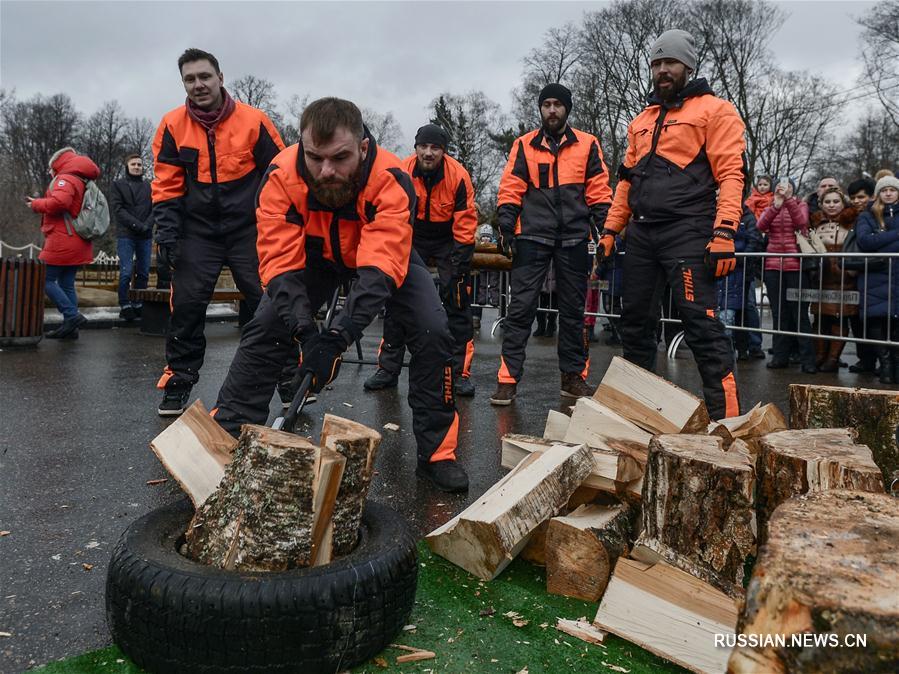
(93, 220)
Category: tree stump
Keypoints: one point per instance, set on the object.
(261, 517)
(698, 508)
(582, 547)
(874, 415)
(830, 568)
(796, 462)
(359, 444)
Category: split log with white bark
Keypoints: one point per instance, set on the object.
(195, 450)
(598, 426)
(698, 512)
(829, 570)
(651, 402)
(809, 460)
(668, 612)
(556, 425)
(487, 535)
(618, 472)
(874, 415)
(261, 518)
(582, 547)
(757, 422)
(359, 445)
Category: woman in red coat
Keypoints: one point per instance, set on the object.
(64, 251)
(780, 221)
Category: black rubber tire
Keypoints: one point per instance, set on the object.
(170, 614)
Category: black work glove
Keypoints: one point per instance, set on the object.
(507, 243)
(167, 255)
(455, 293)
(321, 358)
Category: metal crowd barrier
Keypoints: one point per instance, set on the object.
(811, 293)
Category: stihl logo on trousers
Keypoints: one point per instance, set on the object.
(688, 285)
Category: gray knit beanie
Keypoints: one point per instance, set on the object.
(675, 44)
(886, 181)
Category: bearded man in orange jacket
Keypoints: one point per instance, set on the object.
(680, 196)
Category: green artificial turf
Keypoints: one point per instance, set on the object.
(462, 619)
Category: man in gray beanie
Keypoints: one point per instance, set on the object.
(680, 196)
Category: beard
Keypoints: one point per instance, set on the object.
(555, 126)
(335, 192)
(671, 93)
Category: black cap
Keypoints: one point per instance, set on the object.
(433, 134)
(556, 91)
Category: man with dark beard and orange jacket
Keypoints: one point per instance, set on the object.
(680, 196)
(210, 155)
(553, 198)
(333, 207)
(443, 232)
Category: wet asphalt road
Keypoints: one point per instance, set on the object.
(76, 418)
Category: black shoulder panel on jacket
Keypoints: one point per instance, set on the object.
(520, 169)
(594, 164)
(405, 182)
(168, 150)
(265, 149)
(461, 197)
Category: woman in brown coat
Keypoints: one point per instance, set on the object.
(832, 224)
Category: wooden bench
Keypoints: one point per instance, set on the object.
(154, 319)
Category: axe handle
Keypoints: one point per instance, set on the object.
(299, 399)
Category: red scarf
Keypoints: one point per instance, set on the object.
(209, 119)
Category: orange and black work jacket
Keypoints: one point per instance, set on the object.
(300, 240)
(554, 192)
(207, 187)
(445, 209)
(679, 153)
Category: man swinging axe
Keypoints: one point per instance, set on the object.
(330, 207)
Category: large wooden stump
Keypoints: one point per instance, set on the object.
(653, 403)
(261, 517)
(582, 547)
(487, 535)
(698, 510)
(797, 462)
(830, 569)
(872, 413)
(359, 444)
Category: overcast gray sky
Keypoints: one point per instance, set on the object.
(389, 56)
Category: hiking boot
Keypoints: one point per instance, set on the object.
(464, 387)
(505, 394)
(380, 380)
(128, 314)
(757, 354)
(863, 367)
(173, 403)
(573, 386)
(445, 475)
(742, 355)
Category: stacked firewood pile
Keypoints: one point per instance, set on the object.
(640, 502)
